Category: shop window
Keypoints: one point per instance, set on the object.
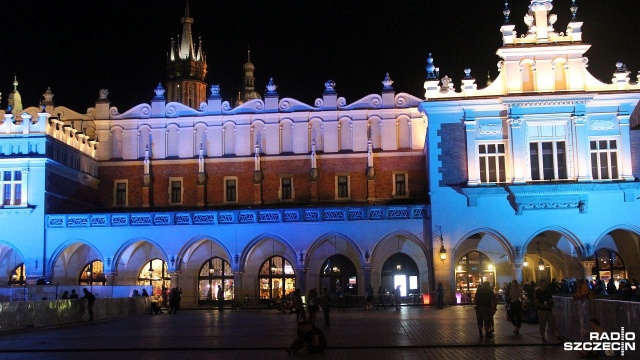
(472, 270)
(93, 274)
(609, 267)
(276, 278)
(216, 272)
(18, 275)
(339, 273)
(400, 269)
(156, 274)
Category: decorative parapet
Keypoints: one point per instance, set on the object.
(223, 217)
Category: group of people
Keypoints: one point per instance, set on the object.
(91, 299)
(540, 299)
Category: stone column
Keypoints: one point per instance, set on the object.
(588, 266)
(175, 278)
(367, 275)
(237, 285)
(516, 266)
(301, 280)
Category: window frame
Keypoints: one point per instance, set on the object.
(394, 179)
(126, 192)
(337, 187)
(281, 191)
(225, 188)
(171, 199)
(15, 188)
(547, 132)
(608, 152)
(487, 157)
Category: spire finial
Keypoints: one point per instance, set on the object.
(574, 10)
(15, 82)
(506, 12)
(248, 53)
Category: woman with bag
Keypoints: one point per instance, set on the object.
(515, 305)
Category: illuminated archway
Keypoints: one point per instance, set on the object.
(609, 266)
(400, 269)
(156, 274)
(339, 272)
(92, 274)
(472, 270)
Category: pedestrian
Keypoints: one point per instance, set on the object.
(91, 299)
(398, 297)
(325, 302)
(313, 305)
(73, 295)
(484, 302)
(440, 296)
(544, 304)
(220, 297)
(174, 300)
(297, 306)
(145, 293)
(515, 305)
(65, 294)
(340, 297)
(381, 297)
(368, 298)
(313, 340)
(135, 293)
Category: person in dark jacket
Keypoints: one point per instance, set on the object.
(91, 299)
(485, 303)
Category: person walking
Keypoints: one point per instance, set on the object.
(440, 296)
(325, 302)
(398, 297)
(220, 298)
(368, 298)
(484, 302)
(382, 293)
(297, 306)
(544, 304)
(313, 305)
(91, 299)
(515, 306)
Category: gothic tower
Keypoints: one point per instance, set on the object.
(248, 91)
(186, 67)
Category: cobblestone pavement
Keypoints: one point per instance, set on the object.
(411, 333)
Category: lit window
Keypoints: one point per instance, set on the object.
(548, 160)
(400, 185)
(342, 187)
(175, 190)
(120, 189)
(492, 163)
(230, 190)
(286, 188)
(11, 187)
(604, 159)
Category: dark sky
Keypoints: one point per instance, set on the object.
(78, 47)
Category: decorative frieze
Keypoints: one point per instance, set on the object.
(241, 216)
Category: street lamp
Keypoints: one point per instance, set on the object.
(540, 262)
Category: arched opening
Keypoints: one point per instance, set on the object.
(472, 270)
(92, 274)
(216, 272)
(17, 276)
(339, 273)
(609, 267)
(400, 269)
(156, 274)
(277, 278)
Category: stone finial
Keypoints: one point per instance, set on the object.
(329, 86)
(48, 95)
(506, 12)
(215, 91)
(387, 83)
(159, 90)
(271, 87)
(574, 10)
(467, 74)
(15, 82)
(103, 93)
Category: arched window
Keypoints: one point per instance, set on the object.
(339, 272)
(473, 269)
(401, 270)
(277, 278)
(93, 274)
(17, 275)
(155, 273)
(215, 272)
(609, 266)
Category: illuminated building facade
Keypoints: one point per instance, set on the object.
(274, 194)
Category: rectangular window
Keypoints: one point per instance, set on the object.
(400, 185)
(11, 187)
(231, 190)
(492, 163)
(604, 159)
(342, 187)
(286, 188)
(548, 160)
(175, 190)
(121, 193)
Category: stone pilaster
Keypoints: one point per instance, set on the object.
(587, 266)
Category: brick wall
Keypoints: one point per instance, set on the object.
(453, 156)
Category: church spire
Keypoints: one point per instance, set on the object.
(248, 80)
(186, 68)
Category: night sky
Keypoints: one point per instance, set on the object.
(78, 47)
